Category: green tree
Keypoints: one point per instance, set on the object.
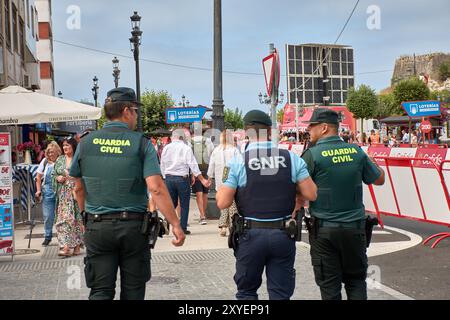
(412, 89)
(102, 120)
(386, 106)
(444, 71)
(153, 109)
(280, 115)
(362, 102)
(443, 96)
(233, 119)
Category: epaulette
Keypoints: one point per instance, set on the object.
(85, 133)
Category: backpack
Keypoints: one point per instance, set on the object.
(201, 155)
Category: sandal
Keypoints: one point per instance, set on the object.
(76, 251)
(65, 252)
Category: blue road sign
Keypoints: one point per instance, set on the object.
(184, 115)
(422, 108)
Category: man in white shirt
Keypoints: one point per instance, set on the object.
(405, 138)
(176, 160)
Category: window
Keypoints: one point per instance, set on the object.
(28, 13)
(15, 29)
(22, 38)
(1, 60)
(32, 22)
(7, 24)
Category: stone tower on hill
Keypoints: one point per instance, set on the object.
(427, 64)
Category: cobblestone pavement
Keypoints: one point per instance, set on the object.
(188, 275)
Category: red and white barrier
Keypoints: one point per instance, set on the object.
(415, 188)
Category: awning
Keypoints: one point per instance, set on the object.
(21, 106)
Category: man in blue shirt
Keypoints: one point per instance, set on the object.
(265, 182)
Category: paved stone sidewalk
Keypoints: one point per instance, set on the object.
(202, 269)
(190, 275)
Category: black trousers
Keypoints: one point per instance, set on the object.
(113, 244)
(339, 256)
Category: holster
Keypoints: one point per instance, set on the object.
(370, 223)
(84, 215)
(311, 225)
(236, 230)
(152, 226)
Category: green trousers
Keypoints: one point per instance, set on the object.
(111, 245)
(338, 256)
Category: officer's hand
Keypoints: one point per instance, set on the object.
(192, 180)
(179, 236)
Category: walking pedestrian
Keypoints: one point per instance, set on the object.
(114, 168)
(69, 222)
(176, 161)
(45, 191)
(264, 182)
(337, 232)
(221, 155)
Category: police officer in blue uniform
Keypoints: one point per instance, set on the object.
(265, 183)
(114, 167)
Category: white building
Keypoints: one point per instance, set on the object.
(45, 46)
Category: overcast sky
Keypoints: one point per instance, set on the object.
(180, 32)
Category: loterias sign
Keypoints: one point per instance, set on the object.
(422, 108)
(184, 115)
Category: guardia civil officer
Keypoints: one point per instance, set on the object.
(114, 168)
(264, 182)
(337, 237)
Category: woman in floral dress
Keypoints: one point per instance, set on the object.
(69, 223)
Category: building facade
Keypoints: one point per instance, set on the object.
(45, 46)
(19, 64)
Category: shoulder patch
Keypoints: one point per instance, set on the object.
(226, 172)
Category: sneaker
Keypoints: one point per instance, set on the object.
(202, 221)
(186, 232)
(46, 242)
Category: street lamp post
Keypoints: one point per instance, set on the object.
(95, 90)
(116, 71)
(272, 107)
(184, 102)
(217, 105)
(135, 40)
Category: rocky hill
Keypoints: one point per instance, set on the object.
(426, 65)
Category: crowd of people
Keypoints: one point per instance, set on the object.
(391, 139)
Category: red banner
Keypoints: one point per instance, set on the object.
(379, 151)
(436, 155)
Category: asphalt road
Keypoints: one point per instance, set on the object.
(421, 272)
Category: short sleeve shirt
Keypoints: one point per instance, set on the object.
(150, 167)
(237, 176)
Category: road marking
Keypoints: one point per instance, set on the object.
(380, 248)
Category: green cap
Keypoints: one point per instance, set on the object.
(257, 117)
(122, 94)
(323, 115)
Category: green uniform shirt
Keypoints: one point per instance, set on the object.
(339, 169)
(113, 189)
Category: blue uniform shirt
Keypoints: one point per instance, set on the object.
(237, 177)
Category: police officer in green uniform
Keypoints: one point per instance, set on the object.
(114, 167)
(337, 232)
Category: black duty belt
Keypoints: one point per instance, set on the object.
(346, 225)
(122, 216)
(252, 224)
